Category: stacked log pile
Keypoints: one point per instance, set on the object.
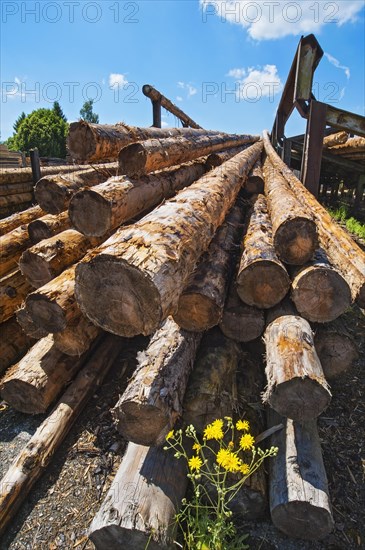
(219, 245)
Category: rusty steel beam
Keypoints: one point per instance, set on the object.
(313, 146)
(345, 120)
(156, 96)
(345, 164)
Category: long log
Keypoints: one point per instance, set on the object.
(15, 199)
(255, 183)
(38, 452)
(13, 343)
(335, 139)
(77, 337)
(296, 386)
(21, 218)
(47, 226)
(294, 231)
(262, 279)
(16, 188)
(152, 402)
(336, 348)
(216, 159)
(201, 303)
(44, 261)
(12, 245)
(28, 326)
(343, 253)
(32, 384)
(141, 158)
(95, 142)
(241, 322)
(54, 193)
(319, 291)
(300, 504)
(21, 175)
(139, 509)
(147, 264)
(96, 211)
(212, 385)
(13, 290)
(155, 95)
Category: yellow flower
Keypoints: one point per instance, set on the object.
(246, 442)
(197, 446)
(170, 435)
(230, 445)
(195, 463)
(243, 425)
(229, 461)
(214, 430)
(245, 469)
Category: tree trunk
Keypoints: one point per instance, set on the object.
(53, 307)
(262, 279)
(20, 198)
(38, 452)
(95, 142)
(47, 226)
(152, 402)
(336, 348)
(141, 158)
(21, 218)
(140, 507)
(44, 261)
(21, 175)
(34, 383)
(343, 253)
(7, 189)
(319, 291)
(335, 139)
(54, 193)
(202, 301)
(141, 270)
(241, 322)
(28, 326)
(294, 231)
(77, 337)
(212, 385)
(12, 245)
(13, 290)
(217, 159)
(255, 182)
(296, 386)
(96, 211)
(299, 498)
(13, 343)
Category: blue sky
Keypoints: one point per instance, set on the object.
(223, 62)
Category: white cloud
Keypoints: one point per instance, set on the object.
(255, 83)
(190, 89)
(164, 124)
(117, 80)
(337, 64)
(272, 20)
(179, 98)
(342, 94)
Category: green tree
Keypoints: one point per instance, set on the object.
(87, 114)
(18, 121)
(58, 110)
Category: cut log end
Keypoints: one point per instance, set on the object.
(302, 520)
(296, 241)
(23, 396)
(51, 196)
(38, 231)
(90, 213)
(129, 303)
(263, 284)
(132, 160)
(336, 352)
(360, 300)
(321, 295)
(139, 430)
(49, 314)
(115, 536)
(197, 312)
(300, 399)
(35, 268)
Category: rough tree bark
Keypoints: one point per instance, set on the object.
(262, 279)
(21, 175)
(147, 265)
(47, 226)
(141, 158)
(21, 218)
(96, 211)
(38, 452)
(13, 290)
(16, 188)
(13, 200)
(255, 183)
(12, 245)
(335, 139)
(152, 401)
(241, 322)
(13, 343)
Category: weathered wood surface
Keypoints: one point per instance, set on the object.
(240, 321)
(152, 401)
(21, 175)
(255, 183)
(201, 303)
(27, 324)
(13, 200)
(95, 142)
(300, 503)
(294, 231)
(343, 253)
(13, 290)
(38, 452)
(139, 509)
(47, 226)
(54, 193)
(12, 245)
(13, 343)
(319, 291)
(336, 348)
(262, 279)
(296, 386)
(212, 385)
(147, 265)
(21, 218)
(144, 157)
(32, 384)
(96, 211)
(335, 139)
(351, 145)
(42, 262)
(77, 337)
(16, 188)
